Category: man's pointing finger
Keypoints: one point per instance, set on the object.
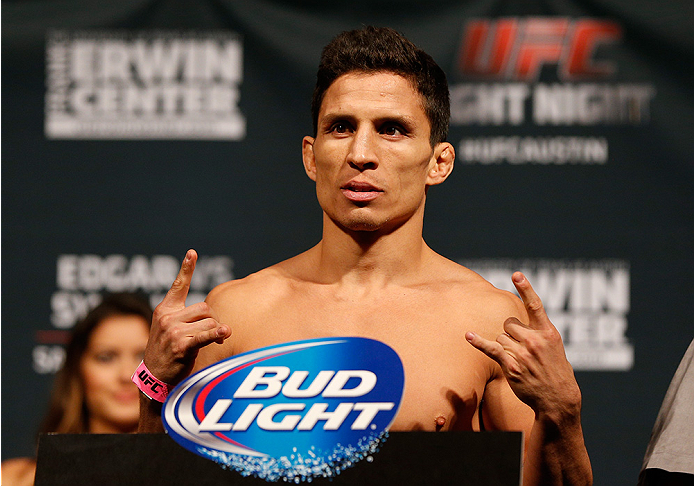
(533, 304)
(177, 294)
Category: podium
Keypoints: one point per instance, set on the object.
(405, 458)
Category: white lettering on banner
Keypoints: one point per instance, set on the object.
(81, 280)
(267, 382)
(555, 104)
(587, 301)
(535, 150)
(264, 416)
(264, 382)
(590, 104)
(47, 359)
(494, 104)
(144, 85)
(118, 273)
(509, 62)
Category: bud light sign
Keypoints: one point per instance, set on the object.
(293, 411)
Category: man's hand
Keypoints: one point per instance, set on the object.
(178, 332)
(533, 360)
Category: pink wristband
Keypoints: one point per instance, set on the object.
(153, 388)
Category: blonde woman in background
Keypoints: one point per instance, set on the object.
(92, 392)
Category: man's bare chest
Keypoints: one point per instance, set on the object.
(444, 376)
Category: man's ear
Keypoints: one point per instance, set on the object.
(441, 164)
(309, 157)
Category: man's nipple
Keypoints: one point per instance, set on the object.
(439, 422)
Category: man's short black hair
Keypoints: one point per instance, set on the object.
(382, 49)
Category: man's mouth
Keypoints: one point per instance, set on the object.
(360, 191)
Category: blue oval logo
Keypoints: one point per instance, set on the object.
(292, 411)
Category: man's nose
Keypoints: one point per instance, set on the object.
(362, 152)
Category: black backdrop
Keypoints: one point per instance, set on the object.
(134, 130)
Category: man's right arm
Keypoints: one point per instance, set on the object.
(177, 334)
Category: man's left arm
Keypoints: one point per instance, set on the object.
(534, 363)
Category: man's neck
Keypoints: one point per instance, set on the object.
(370, 258)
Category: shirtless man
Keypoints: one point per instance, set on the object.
(381, 115)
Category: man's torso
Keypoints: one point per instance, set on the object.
(445, 377)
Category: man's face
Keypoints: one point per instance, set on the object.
(372, 158)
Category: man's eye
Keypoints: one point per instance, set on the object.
(392, 130)
(340, 127)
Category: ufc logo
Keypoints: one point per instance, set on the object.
(511, 48)
(144, 377)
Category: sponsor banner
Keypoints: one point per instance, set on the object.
(534, 150)
(293, 411)
(129, 85)
(83, 279)
(544, 74)
(588, 301)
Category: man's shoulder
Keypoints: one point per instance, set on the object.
(259, 285)
(461, 278)
(475, 294)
